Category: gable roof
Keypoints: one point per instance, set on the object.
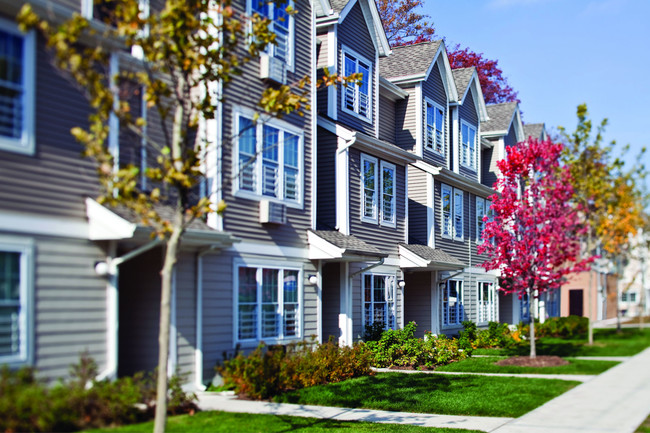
(334, 245)
(462, 78)
(373, 20)
(466, 80)
(322, 7)
(338, 5)
(423, 256)
(501, 116)
(409, 60)
(535, 130)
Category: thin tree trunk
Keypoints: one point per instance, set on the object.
(531, 321)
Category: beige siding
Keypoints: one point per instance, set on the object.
(417, 202)
(405, 121)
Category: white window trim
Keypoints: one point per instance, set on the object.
(24, 246)
(459, 302)
(393, 222)
(435, 105)
(377, 201)
(275, 123)
(473, 166)
(479, 237)
(26, 143)
(462, 215)
(389, 311)
(276, 264)
(444, 188)
(492, 289)
(291, 43)
(345, 50)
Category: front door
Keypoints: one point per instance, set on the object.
(576, 297)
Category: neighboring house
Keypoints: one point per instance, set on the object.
(535, 130)
(635, 280)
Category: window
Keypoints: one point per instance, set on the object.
(268, 303)
(453, 312)
(16, 263)
(435, 138)
(377, 191)
(458, 215)
(482, 206)
(16, 89)
(357, 97)
(447, 229)
(452, 213)
(469, 146)
(270, 161)
(379, 299)
(281, 25)
(487, 310)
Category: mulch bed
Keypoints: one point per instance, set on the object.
(540, 361)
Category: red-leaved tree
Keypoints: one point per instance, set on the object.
(494, 85)
(532, 238)
(404, 26)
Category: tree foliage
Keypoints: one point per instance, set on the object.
(532, 238)
(404, 26)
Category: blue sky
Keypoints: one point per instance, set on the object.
(560, 53)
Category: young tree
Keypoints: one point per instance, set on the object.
(608, 191)
(531, 238)
(403, 26)
(186, 51)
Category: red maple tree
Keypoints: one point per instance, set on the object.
(403, 26)
(533, 235)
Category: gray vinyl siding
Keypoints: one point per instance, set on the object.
(186, 315)
(468, 114)
(434, 89)
(386, 119)
(353, 34)
(417, 203)
(331, 300)
(139, 283)
(405, 121)
(418, 302)
(457, 249)
(383, 237)
(69, 305)
(511, 138)
(506, 313)
(241, 217)
(326, 179)
(488, 166)
(55, 179)
(75, 5)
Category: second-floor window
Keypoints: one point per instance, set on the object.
(469, 146)
(281, 25)
(482, 206)
(435, 132)
(357, 97)
(453, 311)
(269, 160)
(379, 299)
(452, 213)
(377, 191)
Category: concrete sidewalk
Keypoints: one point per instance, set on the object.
(616, 401)
(229, 403)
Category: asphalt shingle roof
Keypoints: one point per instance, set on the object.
(338, 5)
(166, 212)
(500, 116)
(461, 78)
(433, 254)
(408, 60)
(350, 243)
(534, 130)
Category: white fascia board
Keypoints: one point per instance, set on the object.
(320, 249)
(491, 134)
(392, 91)
(479, 99)
(346, 10)
(408, 259)
(426, 167)
(408, 79)
(445, 73)
(384, 150)
(36, 224)
(326, 21)
(461, 182)
(321, 7)
(270, 250)
(106, 225)
(335, 129)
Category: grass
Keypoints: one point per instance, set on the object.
(486, 365)
(607, 342)
(215, 422)
(432, 393)
(644, 427)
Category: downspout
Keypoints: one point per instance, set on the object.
(112, 308)
(343, 184)
(198, 351)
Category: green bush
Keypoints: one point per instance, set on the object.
(562, 327)
(496, 335)
(373, 331)
(401, 348)
(29, 404)
(272, 370)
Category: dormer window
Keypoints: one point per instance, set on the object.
(357, 98)
(281, 25)
(469, 146)
(435, 132)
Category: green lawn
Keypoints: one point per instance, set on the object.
(486, 365)
(434, 393)
(645, 427)
(607, 342)
(214, 422)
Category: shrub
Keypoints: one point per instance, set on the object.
(562, 327)
(496, 335)
(373, 331)
(272, 370)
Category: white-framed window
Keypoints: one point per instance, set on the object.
(459, 233)
(357, 98)
(16, 291)
(378, 299)
(268, 304)
(281, 24)
(453, 312)
(487, 299)
(469, 146)
(435, 127)
(482, 206)
(269, 159)
(452, 213)
(378, 189)
(17, 65)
